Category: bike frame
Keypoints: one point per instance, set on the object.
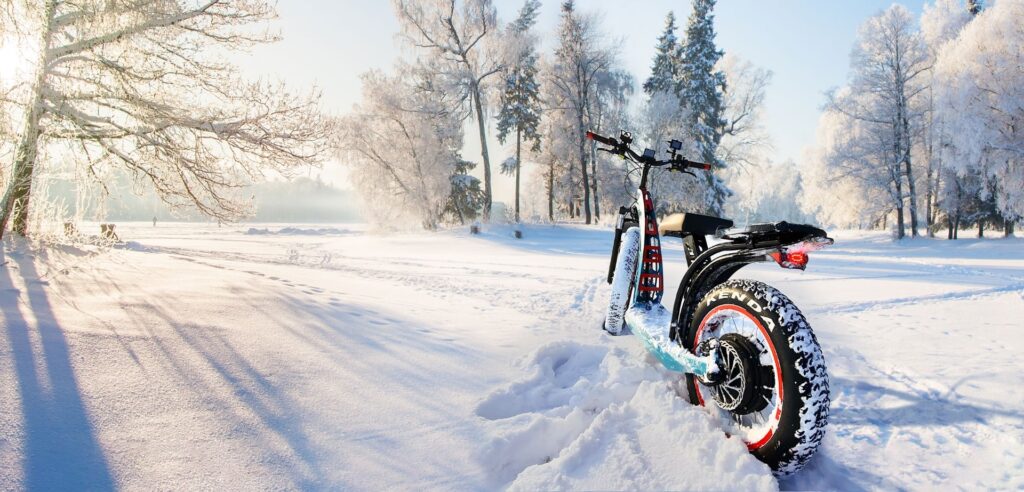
(646, 316)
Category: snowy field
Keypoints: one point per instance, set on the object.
(198, 357)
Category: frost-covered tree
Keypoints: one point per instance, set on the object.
(556, 159)
(979, 101)
(665, 67)
(520, 98)
(577, 65)
(768, 194)
(888, 64)
(700, 86)
(143, 86)
(459, 37)
(852, 178)
(743, 137)
(402, 145)
(941, 22)
(663, 118)
(607, 112)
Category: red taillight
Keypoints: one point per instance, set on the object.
(790, 259)
(590, 135)
(795, 255)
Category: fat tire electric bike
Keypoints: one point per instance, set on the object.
(742, 345)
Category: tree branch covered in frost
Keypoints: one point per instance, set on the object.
(402, 145)
(743, 137)
(573, 76)
(844, 184)
(142, 84)
(981, 104)
(946, 100)
(883, 112)
(459, 42)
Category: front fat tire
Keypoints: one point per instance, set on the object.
(622, 280)
(805, 401)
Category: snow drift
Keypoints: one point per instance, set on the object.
(593, 417)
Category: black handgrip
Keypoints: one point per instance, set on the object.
(604, 140)
(696, 165)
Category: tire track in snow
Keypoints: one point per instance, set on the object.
(902, 301)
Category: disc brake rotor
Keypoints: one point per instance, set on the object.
(741, 384)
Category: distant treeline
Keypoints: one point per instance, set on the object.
(298, 200)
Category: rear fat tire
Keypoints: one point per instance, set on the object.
(622, 280)
(805, 396)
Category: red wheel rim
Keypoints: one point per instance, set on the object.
(777, 414)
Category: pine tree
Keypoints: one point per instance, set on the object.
(466, 200)
(520, 100)
(700, 88)
(974, 6)
(666, 66)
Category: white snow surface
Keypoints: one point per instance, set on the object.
(331, 357)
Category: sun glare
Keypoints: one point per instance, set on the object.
(14, 61)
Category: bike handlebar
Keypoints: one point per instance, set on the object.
(622, 148)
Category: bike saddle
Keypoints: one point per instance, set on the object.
(684, 224)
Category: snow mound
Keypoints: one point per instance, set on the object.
(593, 417)
(133, 246)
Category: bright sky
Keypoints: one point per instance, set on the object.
(805, 43)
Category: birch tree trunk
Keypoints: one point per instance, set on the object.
(929, 196)
(551, 190)
(19, 190)
(583, 164)
(482, 126)
(593, 180)
(898, 186)
(911, 187)
(519, 166)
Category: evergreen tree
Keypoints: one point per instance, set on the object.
(666, 66)
(466, 200)
(700, 88)
(520, 99)
(974, 6)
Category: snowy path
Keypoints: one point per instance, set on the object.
(201, 357)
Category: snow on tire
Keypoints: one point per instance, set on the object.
(622, 280)
(783, 420)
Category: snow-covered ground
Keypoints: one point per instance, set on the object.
(266, 357)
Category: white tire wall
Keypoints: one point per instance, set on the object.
(622, 280)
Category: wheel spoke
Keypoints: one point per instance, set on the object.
(734, 386)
